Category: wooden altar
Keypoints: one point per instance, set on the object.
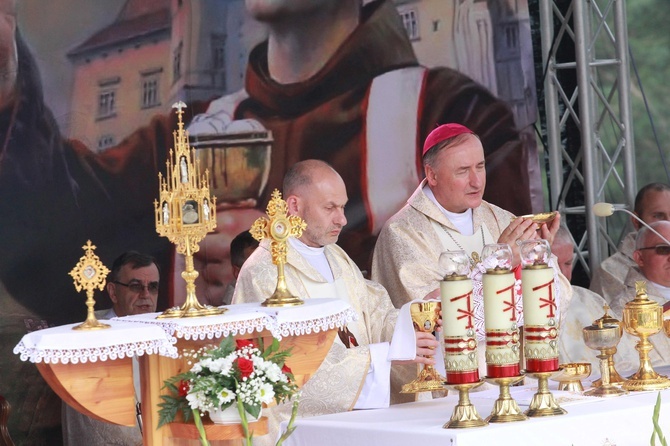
(104, 389)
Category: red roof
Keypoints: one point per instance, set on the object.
(137, 18)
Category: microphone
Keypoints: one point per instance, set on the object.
(607, 209)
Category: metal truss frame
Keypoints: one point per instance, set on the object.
(598, 160)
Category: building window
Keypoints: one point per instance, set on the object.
(512, 37)
(106, 103)
(150, 90)
(176, 62)
(107, 97)
(105, 142)
(218, 42)
(218, 63)
(411, 22)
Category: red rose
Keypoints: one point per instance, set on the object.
(286, 370)
(241, 343)
(246, 367)
(183, 387)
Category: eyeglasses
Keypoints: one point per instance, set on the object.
(137, 287)
(659, 250)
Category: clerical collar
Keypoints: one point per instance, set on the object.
(664, 291)
(462, 221)
(315, 257)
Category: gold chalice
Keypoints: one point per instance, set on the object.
(424, 317)
(570, 376)
(643, 317)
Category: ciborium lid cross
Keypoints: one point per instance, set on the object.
(279, 227)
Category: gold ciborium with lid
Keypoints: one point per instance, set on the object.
(643, 317)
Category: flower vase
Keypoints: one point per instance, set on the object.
(230, 415)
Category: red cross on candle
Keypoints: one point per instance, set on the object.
(511, 304)
(550, 301)
(468, 312)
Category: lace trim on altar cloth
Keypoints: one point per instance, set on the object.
(314, 315)
(64, 345)
(144, 334)
(235, 321)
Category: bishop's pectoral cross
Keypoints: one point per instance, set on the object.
(279, 227)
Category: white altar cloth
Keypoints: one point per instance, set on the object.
(314, 315)
(144, 334)
(620, 421)
(65, 345)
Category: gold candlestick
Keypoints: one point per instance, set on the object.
(88, 274)
(279, 227)
(505, 409)
(643, 317)
(424, 317)
(543, 403)
(185, 213)
(465, 414)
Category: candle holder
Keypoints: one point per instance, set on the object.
(505, 409)
(465, 414)
(543, 403)
(88, 274)
(279, 227)
(458, 327)
(424, 318)
(643, 317)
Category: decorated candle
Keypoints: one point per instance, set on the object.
(458, 320)
(500, 312)
(539, 307)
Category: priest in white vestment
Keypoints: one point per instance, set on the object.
(447, 213)
(356, 372)
(585, 308)
(652, 257)
(652, 203)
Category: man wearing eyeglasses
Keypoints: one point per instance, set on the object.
(652, 258)
(132, 286)
(652, 203)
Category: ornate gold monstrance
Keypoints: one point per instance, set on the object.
(185, 213)
(279, 227)
(88, 274)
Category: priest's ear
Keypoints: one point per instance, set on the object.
(294, 204)
(431, 175)
(111, 291)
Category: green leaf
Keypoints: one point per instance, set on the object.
(657, 428)
(227, 346)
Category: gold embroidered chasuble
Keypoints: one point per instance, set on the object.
(408, 249)
(337, 383)
(406, 255)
